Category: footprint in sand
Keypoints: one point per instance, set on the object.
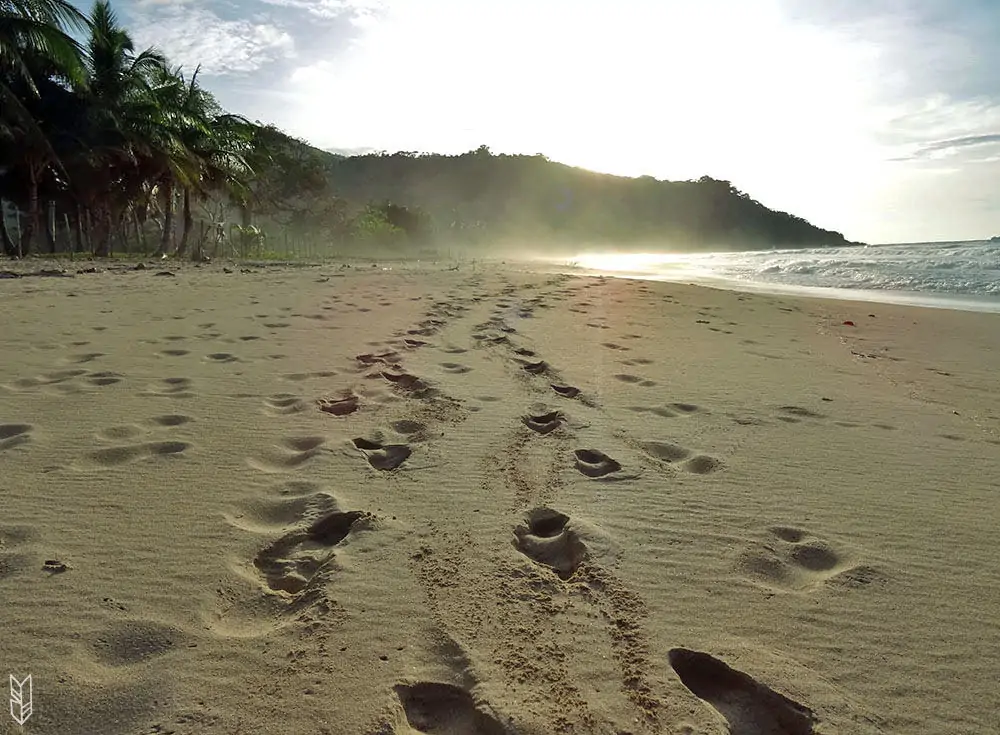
(171, 388)
(383, 456)
(13, 559)
(121, 433)
(665, 451)
(292, 562)
(661, 411)
(47, 379)
(14, 435)
(445, 709)
(669, 453)
(795, 414)
(749, 707)
(299, 377)
(293, 452)
(408, 384)
(83, 358)
(133, 641)
(294, 503)
(455, 368)
(791, 559)
(535, 368)
(544, 423)
(635, 380)
(594, 463)
(116, 456)
(368, 359)
(545, 539)
(566, 391)
(283, 404)
(702, 464)
(104, 378)
(339, 406)
(174, 353)
(222, 357)
(171, 420)
(409, 428)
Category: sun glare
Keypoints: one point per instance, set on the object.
(673, 90)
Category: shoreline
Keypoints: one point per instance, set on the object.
(291, 499)
(930, 300)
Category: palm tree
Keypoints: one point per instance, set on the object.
(218, 144)
(133, 132)
(35, 28)
(34, 50)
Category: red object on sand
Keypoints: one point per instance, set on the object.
(848, 324)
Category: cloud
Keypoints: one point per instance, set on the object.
(361, 12)
(926, 47)
(192, 35)
(954, 146)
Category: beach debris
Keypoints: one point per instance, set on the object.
(165, 273)
(849, 323)
(54, 566)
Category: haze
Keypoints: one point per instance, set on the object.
(878, 119)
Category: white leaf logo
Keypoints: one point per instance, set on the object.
(20, 699)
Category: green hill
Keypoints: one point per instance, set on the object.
(499, 198)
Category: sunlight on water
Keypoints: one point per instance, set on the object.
(963, 275)
(629, 261)
(659, 266)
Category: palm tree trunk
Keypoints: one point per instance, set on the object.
(100, 236)
(188, 223)
(140, 234)
(168, 218)
(28, 233)
(50, 227)
(9, 248)
(78, 230)
(246, 219)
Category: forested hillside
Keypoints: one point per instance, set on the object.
(487, 197)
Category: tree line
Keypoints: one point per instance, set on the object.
(105, 147)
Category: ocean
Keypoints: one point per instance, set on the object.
(955, 275)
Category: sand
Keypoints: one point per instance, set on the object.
(491, 500)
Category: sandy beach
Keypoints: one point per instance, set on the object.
(413, 499)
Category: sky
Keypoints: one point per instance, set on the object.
(876, 118)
